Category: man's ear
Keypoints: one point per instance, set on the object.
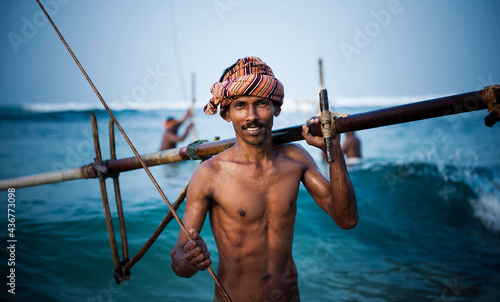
(277, 110)
(224, 113)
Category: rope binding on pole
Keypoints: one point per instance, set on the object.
(491, 98)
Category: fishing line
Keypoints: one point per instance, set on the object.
(178, 62)
(129, 143)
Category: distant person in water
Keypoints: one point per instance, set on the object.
(172, 125)
(352, 149)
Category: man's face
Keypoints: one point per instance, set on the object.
(252, 118)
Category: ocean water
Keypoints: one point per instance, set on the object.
(428, 198)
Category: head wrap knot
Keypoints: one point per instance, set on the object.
(249, 76)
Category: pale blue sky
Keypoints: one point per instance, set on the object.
(147, 50)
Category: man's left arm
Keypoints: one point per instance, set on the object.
(336, 196)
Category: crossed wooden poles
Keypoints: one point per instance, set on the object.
(122, 268)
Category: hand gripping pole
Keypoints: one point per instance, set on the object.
(326, 127)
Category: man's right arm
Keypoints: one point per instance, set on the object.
(190, 255)
(336, 197)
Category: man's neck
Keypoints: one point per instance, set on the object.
(254, 153)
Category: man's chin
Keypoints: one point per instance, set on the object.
(258, 140)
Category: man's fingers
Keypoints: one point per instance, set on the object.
(194, 250)
(312, 140)
(305, 130)
(189, 246)
(201, 261)
(194, 244)
(199, 258)
(314, 120)
(204, 265)
(305, 133)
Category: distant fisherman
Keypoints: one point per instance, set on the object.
(170, 137)
(250, 192)
(352, 149)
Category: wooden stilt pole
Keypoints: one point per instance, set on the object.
(119, 206)
(125, 136)
(325, 123)
(321, 84)
(104, 195)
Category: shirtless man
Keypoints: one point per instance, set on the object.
(170, 137)
(250, 193)
(352, 148)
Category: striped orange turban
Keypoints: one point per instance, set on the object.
(249, 76)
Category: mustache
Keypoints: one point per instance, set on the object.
(252, 125)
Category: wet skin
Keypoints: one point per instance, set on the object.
(250, 194)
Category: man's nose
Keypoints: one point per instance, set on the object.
(252, 114)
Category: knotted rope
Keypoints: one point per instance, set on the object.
(192, 149)
(490, 97)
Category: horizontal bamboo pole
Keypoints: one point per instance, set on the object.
(454, 104)
(82, 172)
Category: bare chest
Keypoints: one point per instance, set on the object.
(250, 195)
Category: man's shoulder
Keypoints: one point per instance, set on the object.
(294, 150)
(296, 153)
(213, 164)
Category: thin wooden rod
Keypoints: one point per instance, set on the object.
(168, 217)
(320, 62)
(118, 196)
(104, 196)
(130, 144)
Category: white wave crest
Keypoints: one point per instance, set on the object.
(116, 106)
(487, 210)
(302, 105)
